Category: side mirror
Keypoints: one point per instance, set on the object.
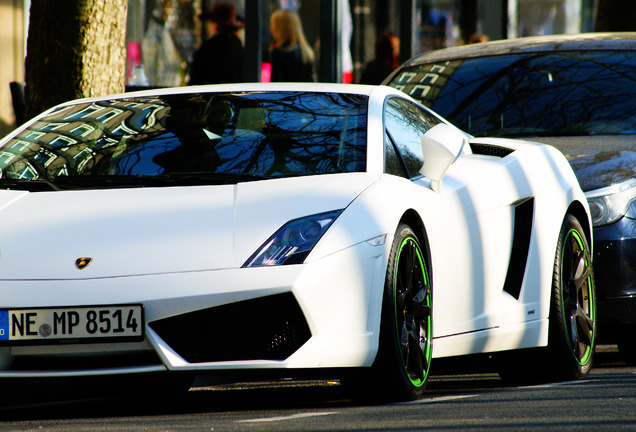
(440, 146)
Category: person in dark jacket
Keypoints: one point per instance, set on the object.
(291, 56)
(220, 58)
(387, 54)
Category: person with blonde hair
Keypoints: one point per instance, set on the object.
(291, 56)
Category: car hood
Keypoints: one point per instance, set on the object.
(140, 231)
(598, 161)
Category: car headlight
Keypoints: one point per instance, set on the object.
(609, 204)
(292, 243)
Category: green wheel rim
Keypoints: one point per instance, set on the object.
(413, 312)
(577, 297)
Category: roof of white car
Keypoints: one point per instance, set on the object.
(246, 87)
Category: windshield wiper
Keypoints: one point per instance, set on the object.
(187, 178)
(37, 185)
(207, 177)
(106, 181)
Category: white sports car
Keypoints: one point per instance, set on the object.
(289, 228)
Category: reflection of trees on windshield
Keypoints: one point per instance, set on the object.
(571, 93)
(263, 134)
(73, 139)
(287, 134)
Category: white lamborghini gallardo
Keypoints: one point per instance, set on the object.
(286, 228)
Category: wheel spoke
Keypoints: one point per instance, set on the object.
(421, 310)
(406, 267)
(415, 361)
(573, 333)
(424, 342)
(585, 327)
(411, 350)
(400, 303)
(582, 272)
(404, 338)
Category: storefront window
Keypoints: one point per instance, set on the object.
(547, 17)
(439, 24)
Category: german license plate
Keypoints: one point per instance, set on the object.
(71, 325)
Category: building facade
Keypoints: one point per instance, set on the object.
(163, 34)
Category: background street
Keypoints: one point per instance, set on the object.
(458, 398)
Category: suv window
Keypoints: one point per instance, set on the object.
(564, 93)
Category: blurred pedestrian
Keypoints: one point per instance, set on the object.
(291, 56)
(387, 58)
(220, 58)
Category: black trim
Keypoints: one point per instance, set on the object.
(490, 150)
(524, 215)
(265, 328)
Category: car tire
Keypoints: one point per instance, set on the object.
(400, 370)
(572, 321)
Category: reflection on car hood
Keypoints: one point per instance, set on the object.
(598, 161)
(141, 231)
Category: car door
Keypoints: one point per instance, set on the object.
(471, 240)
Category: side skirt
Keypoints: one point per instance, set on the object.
(523, 335)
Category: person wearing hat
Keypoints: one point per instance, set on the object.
(220, 58)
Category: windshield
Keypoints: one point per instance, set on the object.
(534, 94)
(207, 138)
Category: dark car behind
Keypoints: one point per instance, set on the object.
(577, 93)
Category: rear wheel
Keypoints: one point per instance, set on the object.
(401, 368)
(572, 332)
(573, 308)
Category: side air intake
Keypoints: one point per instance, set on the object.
(524, 215)
(490, 150)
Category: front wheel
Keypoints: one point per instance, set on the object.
(401, 368)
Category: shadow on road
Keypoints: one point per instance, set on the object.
(93, 398)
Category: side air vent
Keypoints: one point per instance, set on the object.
(266, 328)
(524, 215)
(490, 150)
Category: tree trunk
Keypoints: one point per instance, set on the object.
(76, 48)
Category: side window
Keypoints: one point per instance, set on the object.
(405, 124)
(393, 164)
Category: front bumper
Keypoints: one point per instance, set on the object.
(615, 275)
(320, 315)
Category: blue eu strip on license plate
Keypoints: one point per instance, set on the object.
(71, 325)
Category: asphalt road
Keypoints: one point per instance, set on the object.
(458, 398)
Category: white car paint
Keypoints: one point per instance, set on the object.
(180, 249)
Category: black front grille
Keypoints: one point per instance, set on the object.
(267, 328)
